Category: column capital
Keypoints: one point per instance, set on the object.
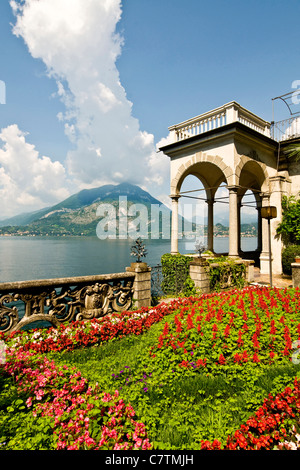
(265, 195)
(175, 197)
(210, 201)
(233, 189)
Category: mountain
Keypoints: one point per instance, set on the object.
(77, 215)
(85, 198)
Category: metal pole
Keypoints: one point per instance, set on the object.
(270, 254)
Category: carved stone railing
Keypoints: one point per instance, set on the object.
(229, 113)
(63, 300)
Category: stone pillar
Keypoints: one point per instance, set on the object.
(141, 285)
(276, 193)
(259, 227)
(174, 227)
(296, 274)
(249, 270)
(210, 224)
(239, 205)
(264, 256)
(233, 222)
(200, 274)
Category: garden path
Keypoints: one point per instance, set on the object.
(279, 280)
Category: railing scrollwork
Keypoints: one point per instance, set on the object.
(63, 300)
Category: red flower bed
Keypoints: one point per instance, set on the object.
(268, 428)
(252, 325)
(82, 334)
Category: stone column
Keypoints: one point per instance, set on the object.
(233, 222)
(239, 205)
(210, 224)
(174, 228)
(259, 227)
(141, 285)
(276, 185)
(264, 256)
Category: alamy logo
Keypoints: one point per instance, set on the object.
(296, 94)
(2, 92)
(296, 354)
(134, 221)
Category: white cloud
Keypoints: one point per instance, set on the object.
(77, 41)
(28, 181)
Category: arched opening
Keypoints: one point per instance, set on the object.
(249, 223)
(197, 187)
(192, 209)
(221, 220)
(252, 184)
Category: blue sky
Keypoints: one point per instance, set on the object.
(93, 85)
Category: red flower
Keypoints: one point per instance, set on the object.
(240, 342)
(222, 359)
(237, 357)
(227, 331)
(255, 358)
(201, 362)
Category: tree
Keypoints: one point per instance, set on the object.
(289, 228)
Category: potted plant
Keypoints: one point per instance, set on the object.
(138, 250)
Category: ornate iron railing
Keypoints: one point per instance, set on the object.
(172, 284)
(156, 281)
(63, 300)
(285, 130)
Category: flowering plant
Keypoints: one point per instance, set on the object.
(82, 417)
(237, 334)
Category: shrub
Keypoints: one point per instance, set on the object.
(288, 256)
(175, 270)
(224, 272)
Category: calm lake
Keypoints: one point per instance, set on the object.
(29, 258)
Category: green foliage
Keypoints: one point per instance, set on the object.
(176, 278)
(293, 151)
(289, 228)
(224, 272)
(288, 256)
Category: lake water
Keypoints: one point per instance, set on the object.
(29, 258)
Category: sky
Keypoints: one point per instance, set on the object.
(91, 86)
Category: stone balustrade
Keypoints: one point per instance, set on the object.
(229, 113)
(62, 300)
